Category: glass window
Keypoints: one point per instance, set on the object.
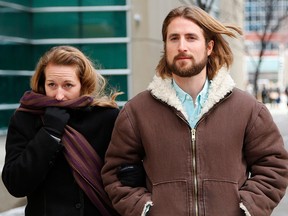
(16, 57)
(103, 24)
(118, 83)
(107, 56)
(103, 2)
(14, 87)
(22, 2)
(45, 3)
(55, 25)
(79, 25)
(14, 23)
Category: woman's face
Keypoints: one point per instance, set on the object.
(62, 82)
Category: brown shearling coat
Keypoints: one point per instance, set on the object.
(233, 163)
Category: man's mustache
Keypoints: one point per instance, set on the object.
(183, 55)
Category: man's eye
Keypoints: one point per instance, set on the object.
(191, 38)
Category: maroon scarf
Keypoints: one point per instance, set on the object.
(83, 159)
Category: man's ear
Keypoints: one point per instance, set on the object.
(210, 46)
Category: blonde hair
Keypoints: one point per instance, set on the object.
(213, 30)
(92, 83)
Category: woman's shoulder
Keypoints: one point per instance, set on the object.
(102, 109)
(23, 116)
(95, 112)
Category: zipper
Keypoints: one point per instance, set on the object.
(193, 133)
(193, 147)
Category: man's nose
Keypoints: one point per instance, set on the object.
(182, 47)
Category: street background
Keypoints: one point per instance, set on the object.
(279, 113)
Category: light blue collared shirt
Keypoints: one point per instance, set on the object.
(192, 111)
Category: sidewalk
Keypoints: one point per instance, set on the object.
(280, 115)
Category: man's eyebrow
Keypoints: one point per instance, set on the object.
(187, 34)
(173, 35)
(191, 34)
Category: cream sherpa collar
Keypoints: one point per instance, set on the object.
(219, 87)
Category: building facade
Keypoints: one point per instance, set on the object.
(122, 37)
(271, 15)
(101, 29)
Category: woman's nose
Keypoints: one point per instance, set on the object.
(59, 94)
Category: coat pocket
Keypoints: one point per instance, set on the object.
(221, 198)
(170, 199)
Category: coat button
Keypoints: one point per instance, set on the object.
(78, 205)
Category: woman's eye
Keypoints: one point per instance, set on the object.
(68, 85)
(51, 84)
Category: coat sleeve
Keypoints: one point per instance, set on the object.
(30, 154)
(267, 163)
(124, 148)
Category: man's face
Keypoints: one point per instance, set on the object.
(186, 50)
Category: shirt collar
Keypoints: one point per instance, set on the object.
(201, 97)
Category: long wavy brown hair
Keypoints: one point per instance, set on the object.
(213, 30)
(92, 83)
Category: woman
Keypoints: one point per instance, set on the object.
(58, 137)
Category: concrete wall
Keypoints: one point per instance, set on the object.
(232, 13)
(146, 45)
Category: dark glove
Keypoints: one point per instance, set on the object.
(132, 175)
(55, 119)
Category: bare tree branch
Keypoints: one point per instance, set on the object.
(271, 26)
(205, 5)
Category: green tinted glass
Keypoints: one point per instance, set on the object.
(14, 87)
(79, 25)
(118, 83)
(45, 3)
(15, 23)
(104, 56)
(107, 56)
(21, 2)
(16, 57)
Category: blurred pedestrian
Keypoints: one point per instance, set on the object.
(286, 93)
(265, 95)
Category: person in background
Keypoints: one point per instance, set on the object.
(286, 93)
(265, 95)
(58, 137)
(207, 147)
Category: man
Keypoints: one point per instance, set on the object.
(207, 147)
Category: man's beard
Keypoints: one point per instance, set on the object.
(182, 71)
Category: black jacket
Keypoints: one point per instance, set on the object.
(35, 165)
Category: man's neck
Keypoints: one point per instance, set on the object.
(191, 85)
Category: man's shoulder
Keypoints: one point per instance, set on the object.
(140, 96)
(241, 94)
(142, 100)
(243, 98)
